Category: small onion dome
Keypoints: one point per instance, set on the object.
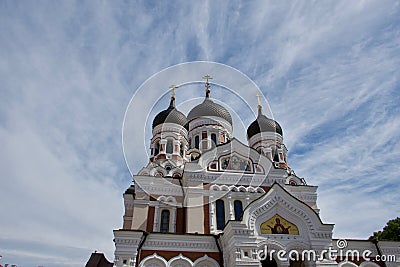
(263, 124)
(130, 190)
(209, 108)
(170, 115)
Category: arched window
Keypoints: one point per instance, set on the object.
(170, 146)
(156, 149)
(197, 142)
(238, 206)
(213, 140)
(275, 156)
(220, 214)
(164, 226)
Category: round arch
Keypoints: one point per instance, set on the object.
(369, 264)
(347, 264)
(153, 261)
(180, 261)
(205, 261)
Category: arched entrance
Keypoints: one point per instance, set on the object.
(268, 262)
(297, 263)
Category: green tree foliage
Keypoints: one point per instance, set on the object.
(390, 232)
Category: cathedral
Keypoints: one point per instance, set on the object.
(206, 199)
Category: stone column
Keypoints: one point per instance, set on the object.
(155, 225)
(247, 200)
(163, 146)
(212, 214)
(230, 208)
(184, 151)
(176, 147)
(174, 219)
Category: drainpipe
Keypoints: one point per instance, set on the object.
(143, 239)
(375, 241)
(183, 207)
(221, 255)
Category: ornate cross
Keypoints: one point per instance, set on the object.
(258, 99)
(259, 107)
(207, 77)
(173, 90)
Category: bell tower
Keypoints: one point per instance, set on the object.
(209, 125)
(266, 136)
(169, 141)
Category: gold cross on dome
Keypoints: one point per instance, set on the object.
(207, 77)
(173, 90)
(258, 99)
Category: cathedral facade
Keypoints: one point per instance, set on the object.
(206, 199)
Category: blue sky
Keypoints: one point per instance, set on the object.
(330, 72)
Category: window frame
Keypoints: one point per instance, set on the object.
(220, 215)
(162, 223)
(156, 148)
(238, 214)
(169, 147)
(213, 140)
(197, 141)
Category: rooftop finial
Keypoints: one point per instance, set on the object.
(172, 103)
(259, 107)
(173, 90)
(207, 77)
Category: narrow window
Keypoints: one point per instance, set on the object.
(169, 147)
(213, 140)
(197, 142)
(276, 157)
(156, 149)
(164, 226)
(238, 206)
(220, 214)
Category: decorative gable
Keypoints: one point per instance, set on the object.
(274, 213)
(235, 157)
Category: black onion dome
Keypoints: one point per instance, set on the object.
(170, 115)
(263, 124)
(209, 108)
